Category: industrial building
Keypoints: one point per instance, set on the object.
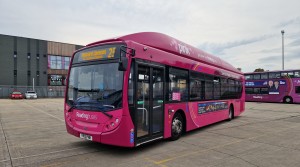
(27, 64)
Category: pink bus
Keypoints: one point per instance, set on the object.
(273, 86)
(134, 89)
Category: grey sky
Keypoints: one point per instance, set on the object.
(244, 33)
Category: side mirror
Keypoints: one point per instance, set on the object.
(123, 64)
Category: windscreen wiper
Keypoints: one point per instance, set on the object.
(71, 108)
(106, 114)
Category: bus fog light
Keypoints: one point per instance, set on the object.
(117, 120)
(112, 124)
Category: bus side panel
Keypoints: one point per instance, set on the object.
(295, 96)
(169, 116)
(195, 119)
(122, 136)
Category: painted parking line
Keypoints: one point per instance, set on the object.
(161, 162)
(39, 110)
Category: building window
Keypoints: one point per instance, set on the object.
(52, 62)
(38, 56)
(66, 63)
(58, 62)
(15, 54)
(37, 73)
(15, 73)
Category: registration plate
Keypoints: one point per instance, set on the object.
(86, 137)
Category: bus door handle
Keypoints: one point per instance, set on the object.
(156, 107)
(144, 111)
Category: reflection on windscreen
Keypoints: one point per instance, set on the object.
(96, 87)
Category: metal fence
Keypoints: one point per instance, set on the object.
(42, 91)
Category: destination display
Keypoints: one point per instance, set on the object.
(98, 53)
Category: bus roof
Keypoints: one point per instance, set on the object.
(272, 71)
(169, 44)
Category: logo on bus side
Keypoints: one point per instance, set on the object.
(86, 116)
(182, 49)
(297, 81)
(211, 107)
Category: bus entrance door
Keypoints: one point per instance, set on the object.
(149, 104)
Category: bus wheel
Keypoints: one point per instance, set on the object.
(177, 126)
(230, 113)
(288, 99)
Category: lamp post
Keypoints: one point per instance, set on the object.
(282, 32)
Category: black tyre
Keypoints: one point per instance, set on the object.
(288, 99)
(230, 113)
(177, 126)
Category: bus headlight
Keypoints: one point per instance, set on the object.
(111, 124)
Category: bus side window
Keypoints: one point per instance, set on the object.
(196, 86)
(297, 89)
(178, 90)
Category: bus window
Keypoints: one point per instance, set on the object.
(291, 74)
(274, 75)
(209, 87)
(264, 91)
(197, 86)
(264, 76)
(297, 89)
(224, 88)
(249, 90)
(297, 74)
(248, 77)
(231, 87)
(256, 90)
(240, 89)
(287, 74)
(217, 88)
(178, 85)
(256, 76)
(130, 86)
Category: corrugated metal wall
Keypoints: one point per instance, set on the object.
(62, 49)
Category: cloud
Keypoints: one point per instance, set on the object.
(294, 43)
(278, 58)
(289, 22)
(218, 48)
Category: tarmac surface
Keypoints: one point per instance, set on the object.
(32, 133)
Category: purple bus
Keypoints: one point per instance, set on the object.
(273, 86)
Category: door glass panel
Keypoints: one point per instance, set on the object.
(143, 101)
(158, 102)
